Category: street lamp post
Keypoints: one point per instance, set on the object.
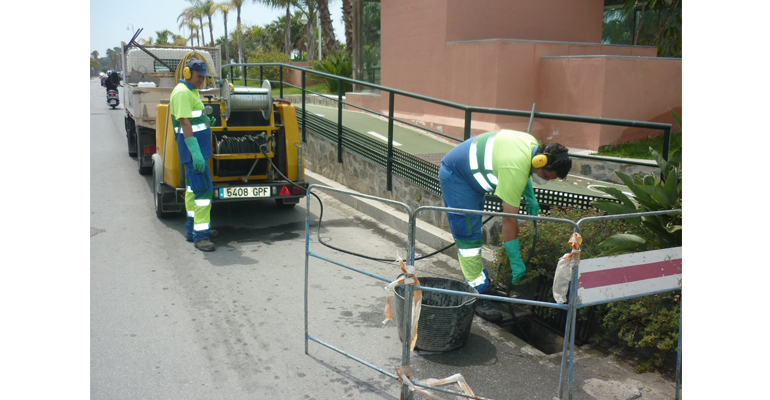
(303, 20)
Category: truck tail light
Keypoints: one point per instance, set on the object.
(150, 149)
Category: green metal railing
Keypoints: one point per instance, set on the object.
(389, 157)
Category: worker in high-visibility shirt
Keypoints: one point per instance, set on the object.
(501, 162)
(193, 139)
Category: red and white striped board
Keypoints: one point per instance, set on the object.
(629, 275)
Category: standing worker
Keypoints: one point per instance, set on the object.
(193, 140)
(501, 161)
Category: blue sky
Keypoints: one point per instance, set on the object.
(110, 20)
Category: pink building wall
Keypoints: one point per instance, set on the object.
(512, 53)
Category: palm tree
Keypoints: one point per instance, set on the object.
(287, 44)
(274, 34)
(196, 11)
(187, 18)
(237, 4)
(95, 54)
(347, 17)
(113, 56)
(665, 32)
(225, 8)
(208, 8)
(309, 8)
(162, 36)
(179, 40)
(329, 41)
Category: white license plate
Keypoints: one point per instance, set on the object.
(244, 192)
(112, 101)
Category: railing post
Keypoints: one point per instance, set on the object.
(467, 134)
(280, 80)
(389, 169)
(260, 74)
(339, 121)
(304, 115)
(666, 142)
(245, 80)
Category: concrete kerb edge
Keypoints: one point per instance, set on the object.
(427, 234)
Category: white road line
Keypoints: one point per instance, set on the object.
(383, 138)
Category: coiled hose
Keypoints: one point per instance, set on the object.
(179, 73)
(318, 237)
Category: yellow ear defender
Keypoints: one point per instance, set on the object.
(539, 161)
(186, 73)
(545, 159)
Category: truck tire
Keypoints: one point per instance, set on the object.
(157, 189)
(131, 137)
(140, 142)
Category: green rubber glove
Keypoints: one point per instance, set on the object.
(199, 163)
(213, 121)
(529, 194)
(517, 266)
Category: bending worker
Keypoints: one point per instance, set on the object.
(501, 162)
(193, 141)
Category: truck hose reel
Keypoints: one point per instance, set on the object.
(246, 144)
(247, 99)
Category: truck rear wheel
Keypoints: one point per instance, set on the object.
(131, 137)
(157, 190)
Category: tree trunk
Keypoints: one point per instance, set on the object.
(662, 27)
(347, 17)
(287, 32)
(227, 43)
(639, 28)
(240, 38)
(211, 32)
(327, 31)
(202, 32)
(358, 43)
(309, 28)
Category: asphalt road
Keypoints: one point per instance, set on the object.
(170, 322)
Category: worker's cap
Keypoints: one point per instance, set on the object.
(199, 66)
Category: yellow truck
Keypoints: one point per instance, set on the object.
(257, 149)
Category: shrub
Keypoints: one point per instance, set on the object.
(650, 323)
(551, 243)
(647, 325)
(270, 73)
(336, 63)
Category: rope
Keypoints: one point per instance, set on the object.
(179, 74)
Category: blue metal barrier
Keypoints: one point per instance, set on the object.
(572, 307)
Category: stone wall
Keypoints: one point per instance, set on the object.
(605, 171)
